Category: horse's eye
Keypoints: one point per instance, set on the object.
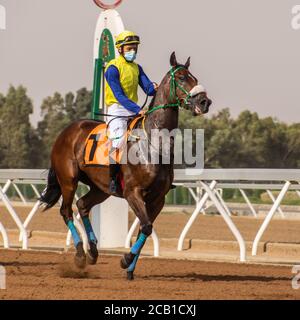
(181, 78)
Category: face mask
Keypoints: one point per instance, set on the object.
(130, 56)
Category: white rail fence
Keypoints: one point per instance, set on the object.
(206, 189)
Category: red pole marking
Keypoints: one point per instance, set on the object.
(104, 6)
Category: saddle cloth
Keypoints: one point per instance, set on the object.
(98, 145)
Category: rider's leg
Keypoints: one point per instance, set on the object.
(114, 169)
(117, 130)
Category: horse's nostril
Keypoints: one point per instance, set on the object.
(204, 103)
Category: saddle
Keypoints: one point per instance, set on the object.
(97, 151)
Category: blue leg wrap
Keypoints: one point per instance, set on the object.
(137, 247)
(75, 235)
(89, 229)
(131, 268)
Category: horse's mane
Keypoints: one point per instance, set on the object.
(151, 104)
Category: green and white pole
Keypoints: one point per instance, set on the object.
(109, 25)
(110, 218)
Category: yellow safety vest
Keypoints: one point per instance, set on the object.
(129, 79)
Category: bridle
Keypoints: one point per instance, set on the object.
(173, 86)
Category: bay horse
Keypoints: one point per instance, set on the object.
(145, 185)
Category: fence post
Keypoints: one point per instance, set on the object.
(269, 217)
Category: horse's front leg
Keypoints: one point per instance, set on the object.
(132, 266)
(136, 202)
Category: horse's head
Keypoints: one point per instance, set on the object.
(185, 89)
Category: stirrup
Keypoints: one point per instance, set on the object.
(113, 186)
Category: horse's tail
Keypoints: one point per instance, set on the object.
(53, 191)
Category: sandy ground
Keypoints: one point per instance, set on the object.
(42, 275)
(50, 275)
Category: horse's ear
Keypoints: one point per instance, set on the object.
(188, 62)
(173, 60)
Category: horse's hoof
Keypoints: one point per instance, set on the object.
(126, 260)
(90, 258)
(80, 257)
(123, 263)
(92, 254)
(130, 275)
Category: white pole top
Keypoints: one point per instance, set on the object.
(105, 6)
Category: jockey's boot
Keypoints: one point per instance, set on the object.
(113, 172)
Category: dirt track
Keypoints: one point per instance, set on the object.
(40, 275)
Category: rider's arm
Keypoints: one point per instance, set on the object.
(112, 77)
(145, 83)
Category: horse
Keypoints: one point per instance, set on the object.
(144, 185)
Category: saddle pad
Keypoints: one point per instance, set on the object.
(98, 146)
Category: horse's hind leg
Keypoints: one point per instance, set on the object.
(68, 188)
(67, 175)
(84, 205)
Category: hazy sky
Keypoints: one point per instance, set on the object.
(244, 52)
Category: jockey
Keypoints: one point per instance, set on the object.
(123, 76)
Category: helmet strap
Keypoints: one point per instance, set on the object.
(121, 50)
